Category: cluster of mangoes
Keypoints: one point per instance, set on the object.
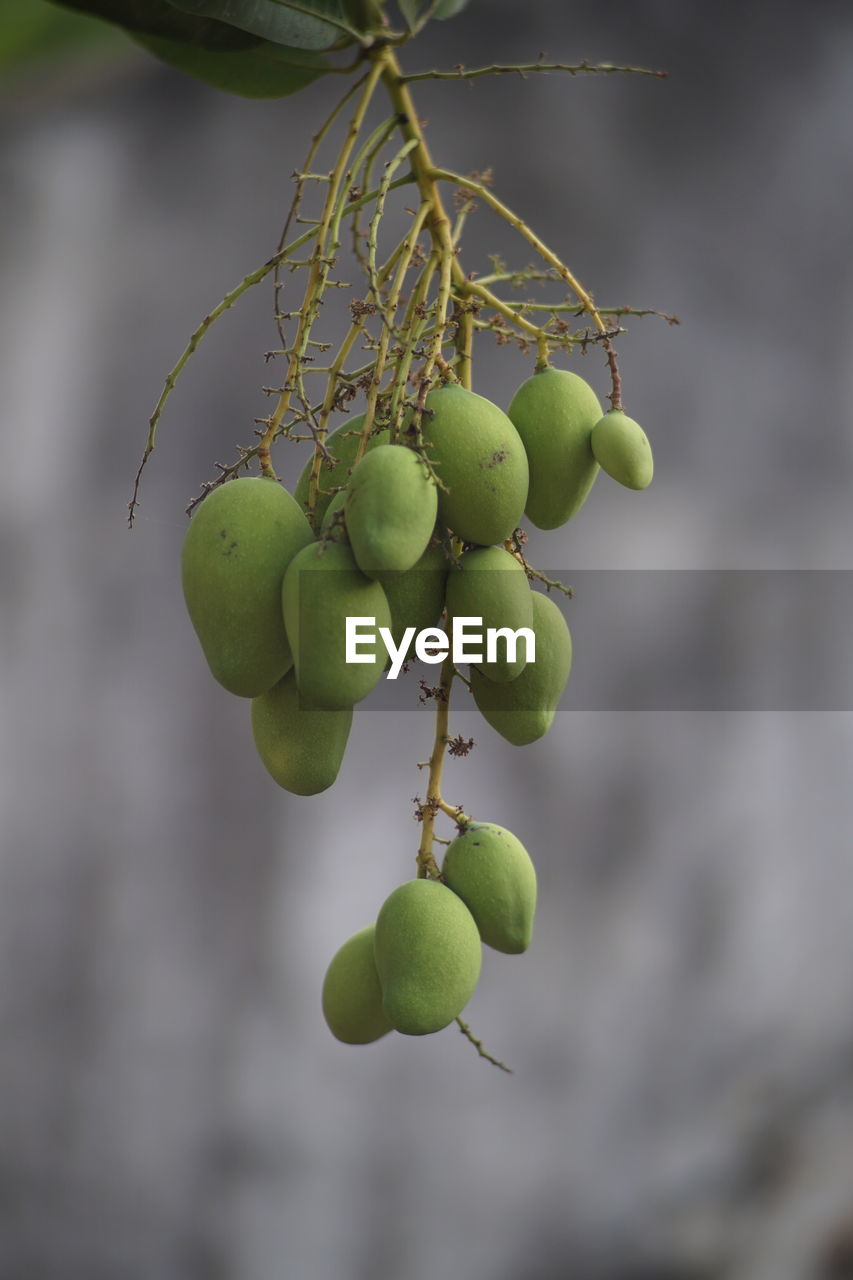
(404, 534)
(416, 967)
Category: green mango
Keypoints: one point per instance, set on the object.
(239, 543)
(416, 597)
(301, 748)
(491, 871)
(334, 525)
(342, 445)
(391, 506)
(622, 449)
(554, 412)
(428, 956)
(477, 453)
(324, 586)
(352, 996)
(491, 584)
(523, 710)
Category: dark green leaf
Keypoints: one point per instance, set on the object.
(303, 24)
(159, 18)
(264, 71)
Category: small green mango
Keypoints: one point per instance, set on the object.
(477, 453)
(523, 710)
(322, 587)
(491, 584)
(416, 597)
(391, 506)
(352, 996)
(342, 445)
(239, 543)
(302, 749)
(622, 449)
(428, 956)
(334, 525)
(491, 871)
(554, 412)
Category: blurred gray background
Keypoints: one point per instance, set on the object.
(172, 1106)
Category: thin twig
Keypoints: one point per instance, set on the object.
(478, 1045)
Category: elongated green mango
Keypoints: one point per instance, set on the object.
(428, 956)
(491, 584)
(322, 587)
(302, 749)
(477, 453)
(391, 506)
(237, 547)
(554, 412)
(622, 449)
(524, 709)
(342, 445)
(416, 597)
(352, 996)
(491, 871)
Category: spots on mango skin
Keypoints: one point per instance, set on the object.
(232, 545)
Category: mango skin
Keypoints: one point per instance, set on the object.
(491, 584)
(622, 449)
(352, 996)
(416, 597)
(239, 543)
(428, 955)
(554, 412)
(342, 444)
(477, 453)
(301, 749)
(322, 586)
(491, 871)
(524, 710)
(391, 508)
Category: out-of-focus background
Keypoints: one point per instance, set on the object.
(172, 1106)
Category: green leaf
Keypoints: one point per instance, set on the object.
(158, 18)
(364, 15)
(449, 8)
(409, 10)
(31, 32)
(416, 12)
(303, 24)
(265, 70)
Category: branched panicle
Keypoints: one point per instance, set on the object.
(414, 318)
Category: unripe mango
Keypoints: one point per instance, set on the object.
(391, 506)
(237, 547)
(524, 709)
(428, 955)
(352, 996)
(342, 445)
(416, 597)
(622, 449)
(322, 587)
(491, 584)
(491, 871)
(302, 749)
(554, 412)
(477, 453)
